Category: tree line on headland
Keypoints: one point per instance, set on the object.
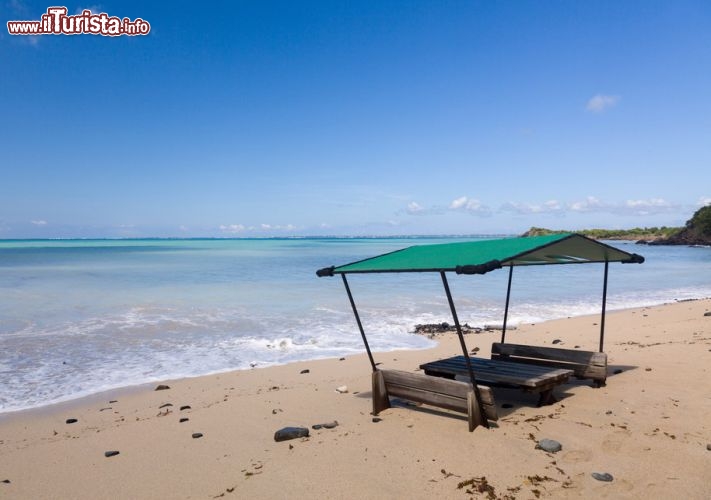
(696, 231)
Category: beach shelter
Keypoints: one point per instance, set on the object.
(481, 257)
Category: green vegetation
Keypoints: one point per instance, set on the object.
(697, 231)
(701, 221)
(637, 233)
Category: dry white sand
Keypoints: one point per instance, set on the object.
(649, 427)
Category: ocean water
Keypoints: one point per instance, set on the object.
(82, 316)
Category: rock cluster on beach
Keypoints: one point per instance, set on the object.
(433, 329)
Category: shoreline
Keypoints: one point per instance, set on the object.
(630, 428)
(475, 330)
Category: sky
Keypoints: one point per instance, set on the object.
(297, 118)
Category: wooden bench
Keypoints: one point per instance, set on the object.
(444, 393)
(585, 364)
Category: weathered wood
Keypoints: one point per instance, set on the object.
(500, 373)
(443, 393)
(585, 364)
(381, 401)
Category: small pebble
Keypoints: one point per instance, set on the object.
(305, 371)
(6, 481)
(378, 419)
(330, 425)
(197, 435)
(343, 389)
(186, 407)
(162, 387)
(342, 359)
(112, 453)
(608, 412)
(602, 476)
(708, 447)
(71, 420)
(165, 405)
(184, 419)
(549, 445)
(648, 369)
(316, 426)
(113, 401)
(707, 313)
(556, 341)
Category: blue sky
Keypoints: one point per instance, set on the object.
(356, 118)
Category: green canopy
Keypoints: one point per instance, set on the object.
(479, 257)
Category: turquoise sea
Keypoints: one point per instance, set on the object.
(81, 316)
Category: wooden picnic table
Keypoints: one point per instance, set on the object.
(530, 378)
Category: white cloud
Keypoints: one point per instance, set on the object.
(599, 103)
(414, 208)
(232, 228)
(551, 206)
(278, 227)
(39, 222)
(589, 204)
(703, 201)
(646, 207)
(94, 9)
(469, 205)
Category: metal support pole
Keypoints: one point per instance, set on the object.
(360, 325)
(604, 302)
(506, 309)
(464, 349)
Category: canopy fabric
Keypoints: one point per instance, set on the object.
(479, 257)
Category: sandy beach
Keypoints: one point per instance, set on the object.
(213, 436)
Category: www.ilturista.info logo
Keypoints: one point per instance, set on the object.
(57, 22)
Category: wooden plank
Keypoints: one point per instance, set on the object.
(432, 384)
(444, 393)
(585, 364)
(381, 401)
(499, 373)
(552, 353)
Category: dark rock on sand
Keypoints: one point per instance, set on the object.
(185, 407)
(556, 341)
(707, 313)
(602, 476)
(708, 447)
(6, 481)
(377, 419)
(197, 435)
(549, 445)
(162, 387)
(305, 371)
(184, 419)
(435, 328)
(290, 433)
(111, 453)
(71, 421)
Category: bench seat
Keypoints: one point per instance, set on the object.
(585, 364)
(444, 393)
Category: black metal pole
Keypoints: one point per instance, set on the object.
(464, 349)
(360, 325)
(506, 309)
(604, 302)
